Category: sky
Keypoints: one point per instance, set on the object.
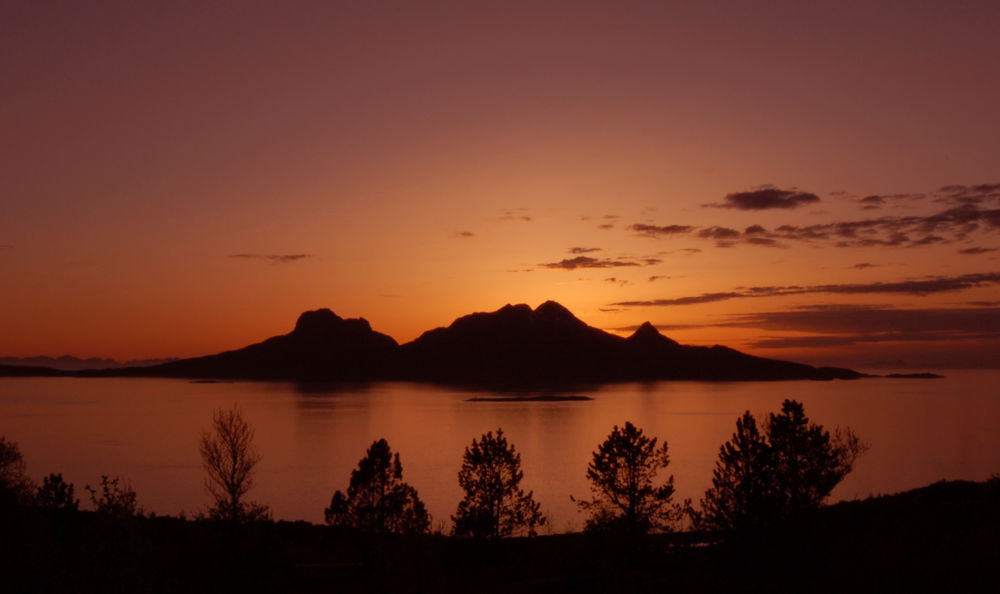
(811, 181)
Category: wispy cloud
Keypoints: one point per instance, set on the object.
(657, 231)
(921, 287)
(583, 250)
(464, 234)
(273, 258)
(589, 262)
(969, 210)
(976, 250)
(515, 214)
(766, 197)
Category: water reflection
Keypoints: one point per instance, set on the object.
(312, 434)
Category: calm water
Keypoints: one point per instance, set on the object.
(311, 437)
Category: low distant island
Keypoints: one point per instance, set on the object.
(515, 345)
(536, 398)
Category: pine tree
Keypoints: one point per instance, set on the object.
(622, 475)
(494, 505)
(377, 499)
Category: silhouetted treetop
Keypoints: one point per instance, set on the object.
(763, 477)
(494, 505)
(377, 499)
(626, 495)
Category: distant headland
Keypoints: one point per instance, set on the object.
(514, 345)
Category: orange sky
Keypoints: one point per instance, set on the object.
(180, 181)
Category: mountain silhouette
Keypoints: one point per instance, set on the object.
(515, 345)
(322, 346)
(549, 344)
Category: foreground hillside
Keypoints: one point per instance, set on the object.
(938, 538)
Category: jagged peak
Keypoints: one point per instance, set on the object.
(319, 320)
(520, 307)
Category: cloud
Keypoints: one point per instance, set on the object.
(464, 234)
(588, 262)
(846, 325)
(6, 246)
(605, 226)
(719, 233)
(515, 214)
(976, 194)
(766, 197)
(657, 277)
(583, 250)
(919, 288)
(273, 258)
(976, 250)
(657, 231)
(863, 265)
(872, 202)
(970, 209)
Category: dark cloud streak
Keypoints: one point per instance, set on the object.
(910, 287)
(273, 258)
(765, 198)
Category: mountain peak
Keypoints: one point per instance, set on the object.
(319, 321)
(648, 333)
(555, 311)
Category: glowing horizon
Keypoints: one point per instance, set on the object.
(800, 182)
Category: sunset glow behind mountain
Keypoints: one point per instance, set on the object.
(818, 183)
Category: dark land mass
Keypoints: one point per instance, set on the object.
(539, 398)
(70, 363)
(914, 376)
(29, 371)
(513, 346)
(941, 538)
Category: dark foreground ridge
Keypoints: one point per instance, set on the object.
(515, 345)
(940, 538)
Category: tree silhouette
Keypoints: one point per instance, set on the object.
(759, 479)
(494, 505)
(15, 486)
(56, 495)
(808, 461)
(229, 458)
(377, 499)
(622, 474)
(743, 492)
(115, 499)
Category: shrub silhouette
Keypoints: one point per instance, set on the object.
(622, 475)
(377, 499)
(229, 458)
(115, 499)
(56, 495)
(762, 478)
(494, 505)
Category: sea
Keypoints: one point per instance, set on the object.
(310, 436)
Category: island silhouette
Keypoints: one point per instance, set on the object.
(514, 345)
